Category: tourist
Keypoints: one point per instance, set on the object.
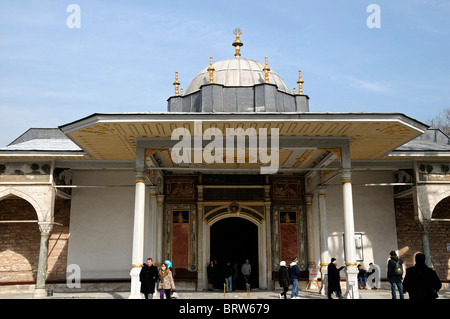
(228, 273)
(166, 283)
(246, 270)
(211, 275)
(295, 276)
(421, 282)
(283, 279)
(362, 277)
(148, 278)
(394, 274)
(334, 279)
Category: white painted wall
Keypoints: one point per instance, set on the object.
(374, 217)
(101, 224)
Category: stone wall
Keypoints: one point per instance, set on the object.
(20, 241)
(410, 240)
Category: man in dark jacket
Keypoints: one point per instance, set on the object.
(395, 279)
(421, 282)
(334, 279)
(283, 279)
(148, 277)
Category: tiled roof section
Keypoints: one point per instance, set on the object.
(431, 140)
(42, 139)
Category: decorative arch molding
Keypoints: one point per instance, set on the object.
(445, 200)
(428, 197)
(222, 212)
(41, 198)
(14, 192)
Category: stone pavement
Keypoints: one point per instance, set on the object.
(235, 295)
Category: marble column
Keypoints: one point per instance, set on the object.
(351, 270)
(424, 227)
(39, 290)
(324, 255)
(138, 235)
(309, 232)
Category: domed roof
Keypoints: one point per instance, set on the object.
(237, 72)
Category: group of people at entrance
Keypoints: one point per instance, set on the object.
(420, 281)
(233, 276)
(286, 276)
(150, 277)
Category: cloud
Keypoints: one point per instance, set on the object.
(372, 86)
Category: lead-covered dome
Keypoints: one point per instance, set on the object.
(237, 72)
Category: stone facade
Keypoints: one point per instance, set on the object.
(410, 240)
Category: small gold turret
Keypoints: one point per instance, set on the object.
(266, 72)
(237, 43)
(300, 83)
(177, 84)
(211, 71)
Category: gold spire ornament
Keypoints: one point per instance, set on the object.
(181, 92)
(300, 83)
(177, 84)
(266, 72)
(237, 43)
(211, 71)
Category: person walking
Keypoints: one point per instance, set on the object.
(394, 274)
(246, 270)
(421, 282)
(334, 279)
(166, 283)
(283, 279)
(148, 278)
(294, 276)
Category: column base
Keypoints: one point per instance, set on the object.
(135, 284)
(351, 274)
(324, 279)
(39, 293)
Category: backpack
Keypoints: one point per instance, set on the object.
(398, 269)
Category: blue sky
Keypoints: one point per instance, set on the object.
(124, 56)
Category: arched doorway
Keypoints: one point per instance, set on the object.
(235, 239)
(19, 252)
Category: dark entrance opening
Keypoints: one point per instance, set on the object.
(235, 239)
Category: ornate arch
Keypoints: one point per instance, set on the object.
(439, 209)
(225, 212)
(14, 192)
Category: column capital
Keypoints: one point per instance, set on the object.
(140, 175)
(153, 191)
(346, 174)
(308, 199)
(321, 189)
(45, 228)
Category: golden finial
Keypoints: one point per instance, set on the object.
(300, 82)
(294, 91)
(237, 43)
(181, 93)
(266, 72)
(211, 71)
(176, 83)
